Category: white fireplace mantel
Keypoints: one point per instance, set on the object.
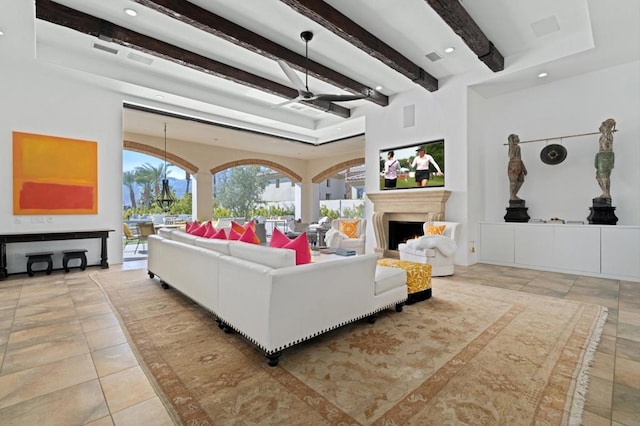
(408, 205)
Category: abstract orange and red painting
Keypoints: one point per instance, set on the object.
(53, 175)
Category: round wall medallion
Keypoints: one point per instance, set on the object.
(553, 154)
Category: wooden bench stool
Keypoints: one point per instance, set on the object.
(40, 257)
(418, 278)
(67, 255)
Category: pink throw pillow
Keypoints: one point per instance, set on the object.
(301, 246)
(233, 235)
(210, 230)
(220, 235)
(278, 239)
(199, 231)
(248, 236)
(190, 226)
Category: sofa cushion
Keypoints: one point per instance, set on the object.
(388, 278)
(165, 232)
(218, 245)
(267, 256)
(301, 246)
(278, 239)
(183, 237)
(349, 228)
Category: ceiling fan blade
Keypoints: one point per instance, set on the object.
(339, 98)
(292, 76)
(290, 101)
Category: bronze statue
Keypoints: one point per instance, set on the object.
(605, 157)
(515, 169)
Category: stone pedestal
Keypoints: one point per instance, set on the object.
(602, 213)
(516, 212)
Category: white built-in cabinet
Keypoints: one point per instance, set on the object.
(596, 250)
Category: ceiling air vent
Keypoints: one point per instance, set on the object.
(545, 26)
(433, 56)
(139, 58)
(105, 48)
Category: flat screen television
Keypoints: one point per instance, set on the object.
(406, 174)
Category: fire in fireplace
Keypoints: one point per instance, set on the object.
(401, 231)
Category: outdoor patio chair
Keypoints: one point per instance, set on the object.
(129, 236)
(144, 230)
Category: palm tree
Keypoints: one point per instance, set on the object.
(187, 176)
(144, 178)
(129, 179)
(155, 174)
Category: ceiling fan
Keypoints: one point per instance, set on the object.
(304, 94)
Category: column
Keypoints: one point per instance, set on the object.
(202, 196)
(307, 201)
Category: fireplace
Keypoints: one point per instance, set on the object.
(400, 231)
(417, 206)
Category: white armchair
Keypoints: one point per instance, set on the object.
(436, 250)
(336, 237)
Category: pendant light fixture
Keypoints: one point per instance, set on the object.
(165, 199)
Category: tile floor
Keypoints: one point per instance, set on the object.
(65, 361)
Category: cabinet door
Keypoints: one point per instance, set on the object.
(577, 248)
(496, 243)
(621, 251)
(534, 245)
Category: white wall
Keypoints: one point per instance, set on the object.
(438, 115)
(475, 128)
(571, 106)
(38, 100)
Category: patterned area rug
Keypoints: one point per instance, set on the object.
(469, 355)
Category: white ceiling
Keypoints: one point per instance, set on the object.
(590, 34)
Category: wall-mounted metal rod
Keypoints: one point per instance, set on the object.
(561, 137)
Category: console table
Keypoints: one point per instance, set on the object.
(5, 239)
(607, 251)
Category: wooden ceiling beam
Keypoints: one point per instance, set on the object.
(55, 13)
(218, 26)
(456, 16)
(330, 18)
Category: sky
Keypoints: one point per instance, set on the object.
(131, 160)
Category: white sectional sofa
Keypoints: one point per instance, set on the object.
(261, 293)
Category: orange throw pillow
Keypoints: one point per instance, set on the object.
(349, 228)
(248, 236)
(435, 229)
(237, 227)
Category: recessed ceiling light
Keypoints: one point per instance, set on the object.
(543, 75)
(130, 12)
(1, 33)
(378, 88)
(449, 49)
